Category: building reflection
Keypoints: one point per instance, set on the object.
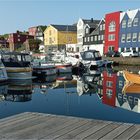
(116, 93)
(17, 91)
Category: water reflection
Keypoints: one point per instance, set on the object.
(93, 94)
(16, 91)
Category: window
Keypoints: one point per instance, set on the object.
(109, 93)
(111, 37)
(99, 37)
(101, 27)
(112, 26)
(91, 38)
(19, 39)
(139, 37)
(110, 48)
(88, 39)
(109, 84)
(124, 24)
(85, 39)
(134, 38)
(129, 22)
(95, 38)
(102, 37)
(129, 37)
(123, 38)
(87, 30)
(135, 22)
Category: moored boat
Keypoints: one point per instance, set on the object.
(63, 67)
(130, 77)
(45, 69)
(18, 65)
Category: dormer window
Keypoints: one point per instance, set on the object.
(87, 30)
(112, 26)
(135, 22)
(124, 24)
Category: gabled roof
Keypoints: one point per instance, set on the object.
(90, 21)
(42, 27)
(65, 27)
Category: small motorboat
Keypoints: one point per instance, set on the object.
(18, 65)
(45, 69)
(131, 78)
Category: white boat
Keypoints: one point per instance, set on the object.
(3, 73)
(18, 65)
(90, 59)
(43, 68)
(63, 67)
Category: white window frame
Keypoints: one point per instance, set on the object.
(139, 37)
(99, 37)
(129, 24)
(112, 26)
(95, 38)
(134, 37)
(91, 38)
(101, 27)
(124, 24)
(109, 83)
(111, 37)
(128, 37)
(88, 38)
(135, 22)
(87, 30)
(123, 38)
(109, 93)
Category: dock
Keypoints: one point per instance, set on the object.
(46, 126)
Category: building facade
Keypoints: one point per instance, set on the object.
(57, 36)
(112, 30)
(17, 39)
(32, 31)
(81, 25)
(129, 31)
(94, 37)
(40, 32)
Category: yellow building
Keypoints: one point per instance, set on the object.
(57, 36)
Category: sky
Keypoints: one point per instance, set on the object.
(22, 14)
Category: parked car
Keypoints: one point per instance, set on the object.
(112, 54)
(130, 53)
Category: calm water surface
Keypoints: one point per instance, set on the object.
(101, 94)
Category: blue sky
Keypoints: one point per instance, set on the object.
(22, 14)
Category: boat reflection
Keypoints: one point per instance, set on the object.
(17, 91)
(43, 83)
(64, 81)
(88, 83)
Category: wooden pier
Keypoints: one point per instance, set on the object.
(45, 126)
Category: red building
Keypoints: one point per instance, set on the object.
(32, 31)
(109, 88)
(112, 27)
(17, 39)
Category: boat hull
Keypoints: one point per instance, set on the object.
(45, 70)
(19, 73)
(64, 68)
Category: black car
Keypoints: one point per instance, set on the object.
(112, 54)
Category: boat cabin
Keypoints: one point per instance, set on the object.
(91, 55)
(16, 59)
